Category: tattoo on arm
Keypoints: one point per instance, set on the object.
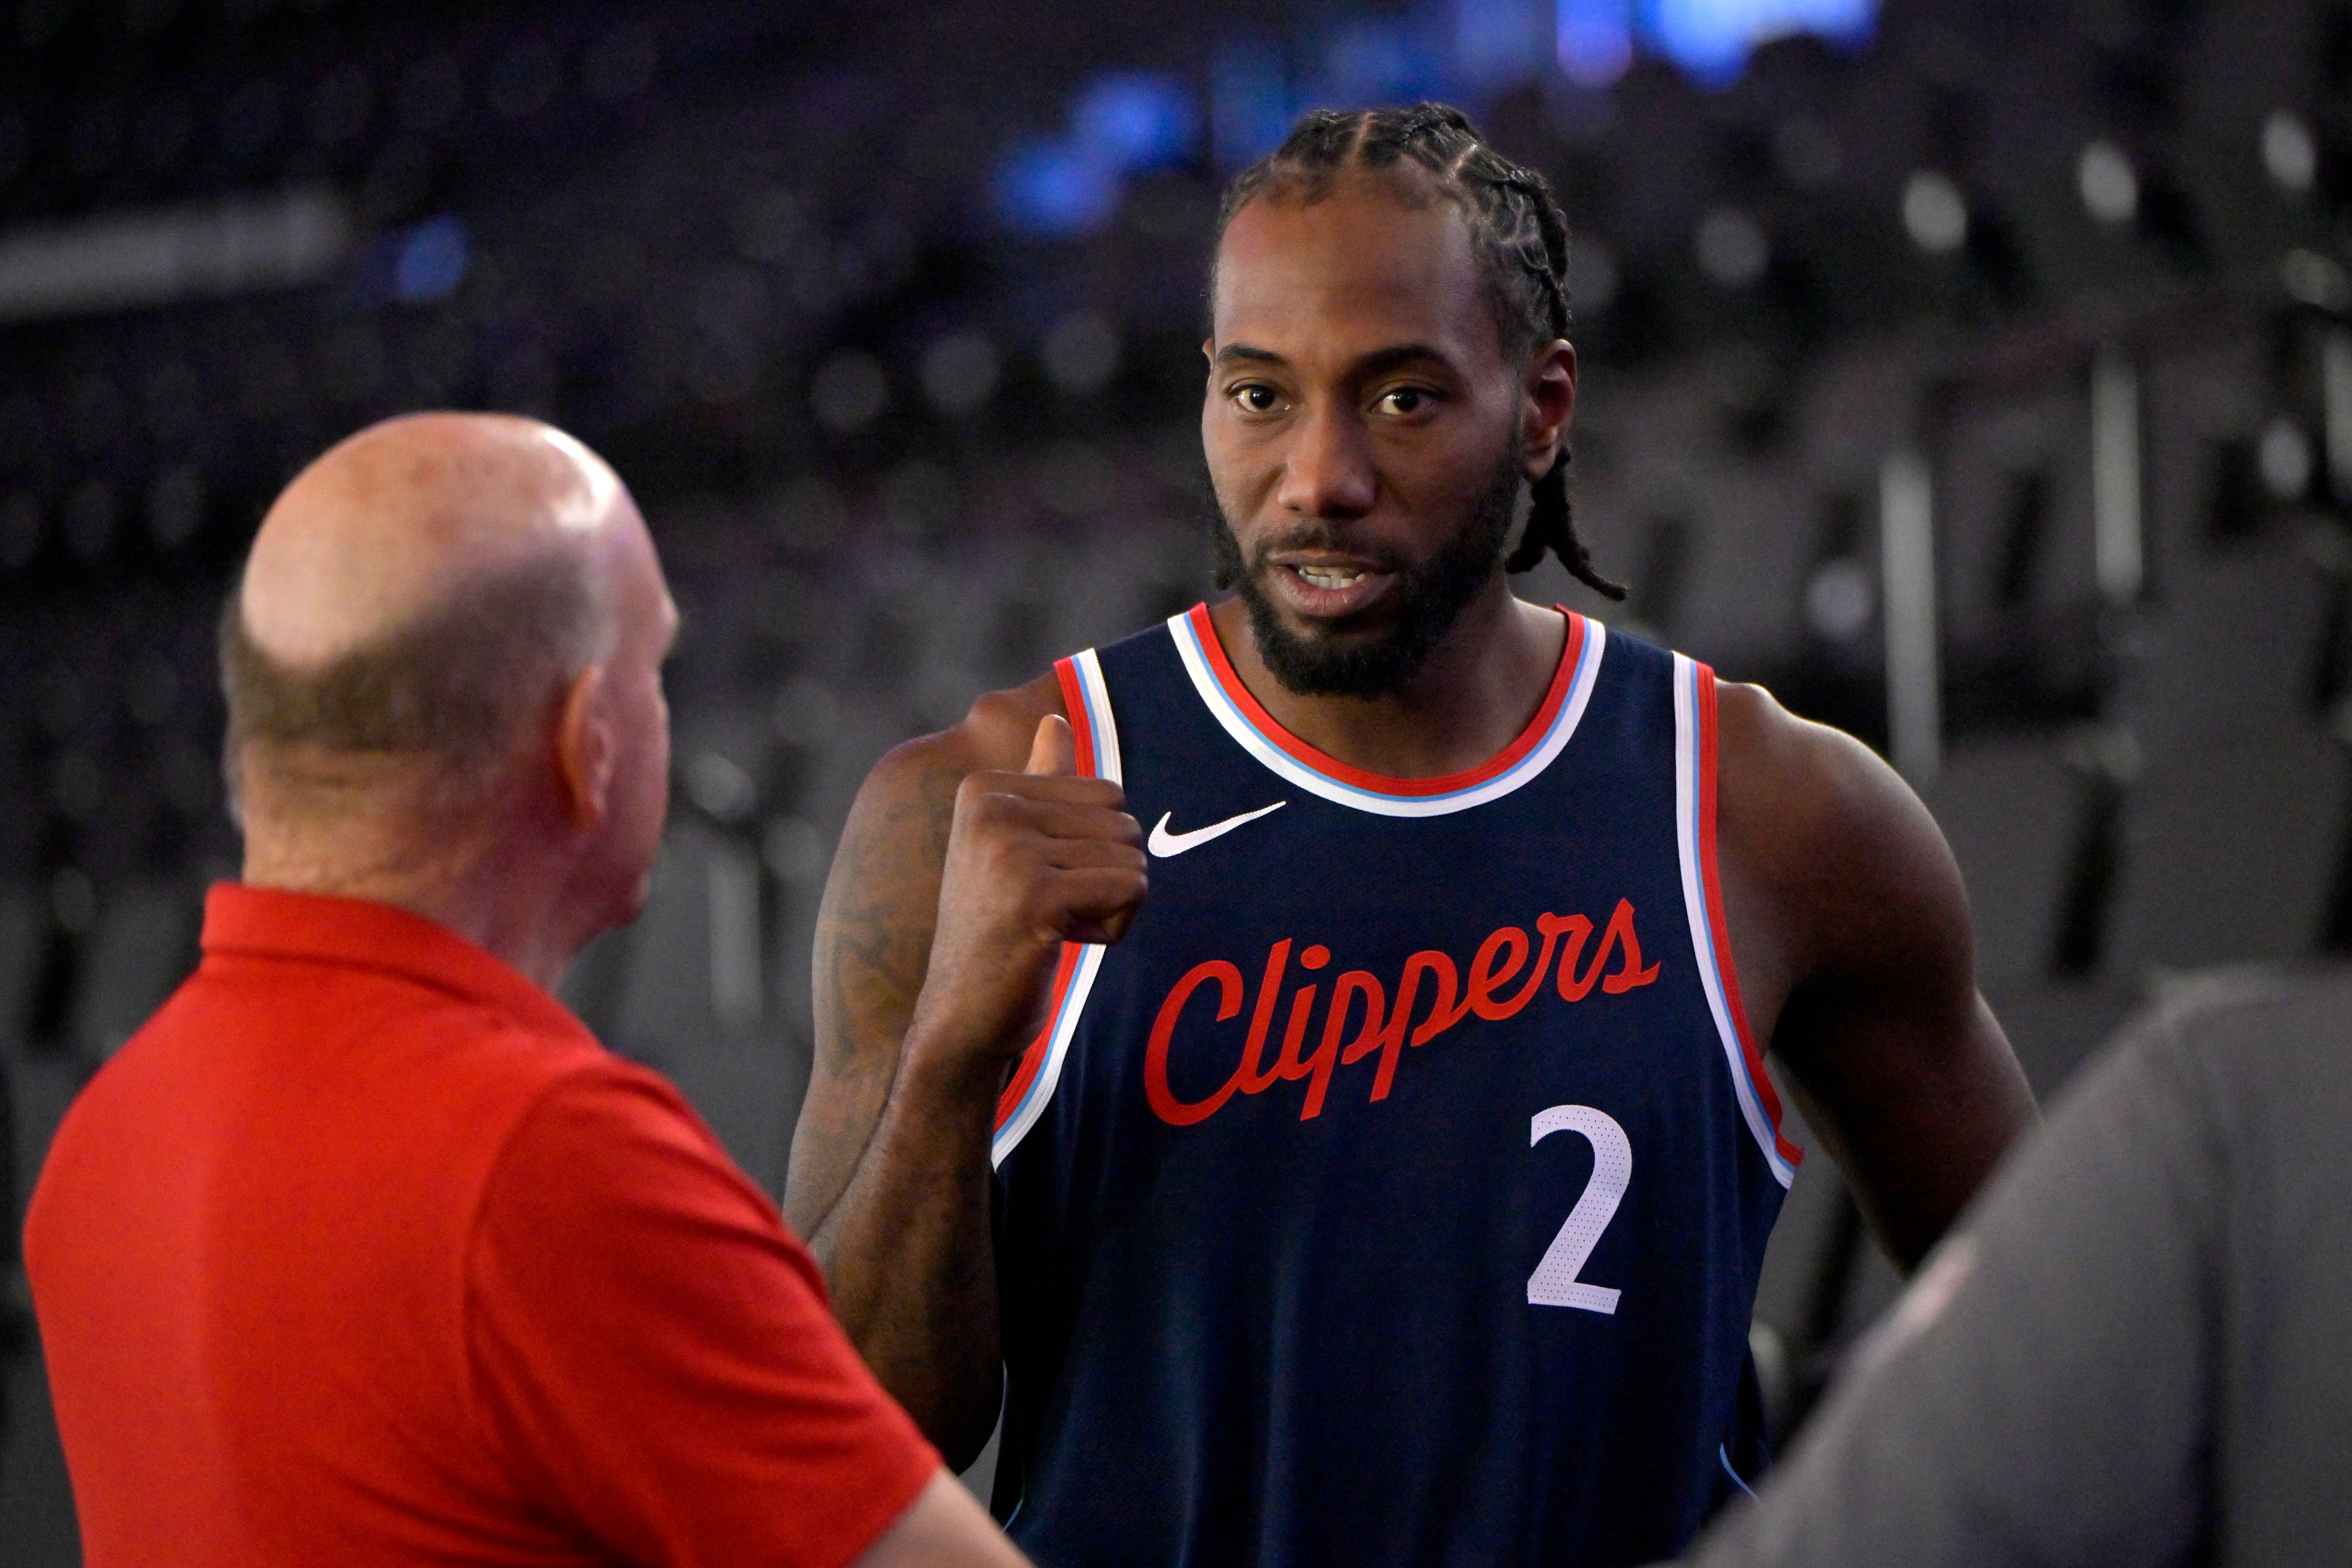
(872, 941)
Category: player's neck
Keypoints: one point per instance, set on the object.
(1478, 690)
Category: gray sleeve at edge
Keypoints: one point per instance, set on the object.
(2054, 1410)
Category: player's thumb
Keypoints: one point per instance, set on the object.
(1052, 751)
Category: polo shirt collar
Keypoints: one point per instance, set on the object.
(360, 934)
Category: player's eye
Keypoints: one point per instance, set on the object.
(1256, 397)
(1405, 400)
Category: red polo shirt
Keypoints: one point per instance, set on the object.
(363, 1251)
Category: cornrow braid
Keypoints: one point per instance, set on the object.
(1518, 228)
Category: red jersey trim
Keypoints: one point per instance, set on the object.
(1074, 702)
(1033, 1061)
(1230, 682)
(1711, 879)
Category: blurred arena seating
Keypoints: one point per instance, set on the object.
(899, 445)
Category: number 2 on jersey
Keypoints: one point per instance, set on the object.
(1554, 1282)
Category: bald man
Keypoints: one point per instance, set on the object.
(363, 1251)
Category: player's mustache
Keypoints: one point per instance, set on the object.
(1322, 536)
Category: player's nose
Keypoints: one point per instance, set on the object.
(1327, 470)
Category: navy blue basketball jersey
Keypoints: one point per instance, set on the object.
(1394, 1193)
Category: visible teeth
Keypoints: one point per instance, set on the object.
(1329, 576)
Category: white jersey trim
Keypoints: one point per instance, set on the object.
(1072, 1003)
(1251, 739)
(1689, 758)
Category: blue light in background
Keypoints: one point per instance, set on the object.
(1249, 103)
(1595, 40)
(1055, 189)
(1126, 123)
(1121, 123)
(1369, 63)
(430, 262)
(1500, 42)
(1135, 120)
(1711, 39)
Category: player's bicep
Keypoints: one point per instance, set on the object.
(1900, 1066)
(1890, 984)
(1888, 928)
(872, 941)
(1839, 863)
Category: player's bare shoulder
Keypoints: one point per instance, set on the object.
(1830, 845)
(1788, 788)
(994, 735)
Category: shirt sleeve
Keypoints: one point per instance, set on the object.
(654, 1352)
(2041, 1394)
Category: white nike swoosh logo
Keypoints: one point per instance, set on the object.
(1164, 844)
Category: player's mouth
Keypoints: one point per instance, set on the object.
(1327, 589)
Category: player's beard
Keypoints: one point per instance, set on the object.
(1427, 602)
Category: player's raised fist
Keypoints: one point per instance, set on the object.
(1034, 860)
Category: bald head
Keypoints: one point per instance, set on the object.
(414, 604)
(407, 518)
(443, 666)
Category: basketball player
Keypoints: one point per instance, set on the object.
(1389, 1186)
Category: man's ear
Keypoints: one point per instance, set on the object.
(585, 749)
(1549, 404)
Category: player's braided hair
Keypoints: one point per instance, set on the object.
(1521, 238)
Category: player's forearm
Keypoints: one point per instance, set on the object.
(910, 1258)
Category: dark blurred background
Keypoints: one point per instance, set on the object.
(1974, 372)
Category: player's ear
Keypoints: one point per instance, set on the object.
(585, 749)
(1547, 405)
